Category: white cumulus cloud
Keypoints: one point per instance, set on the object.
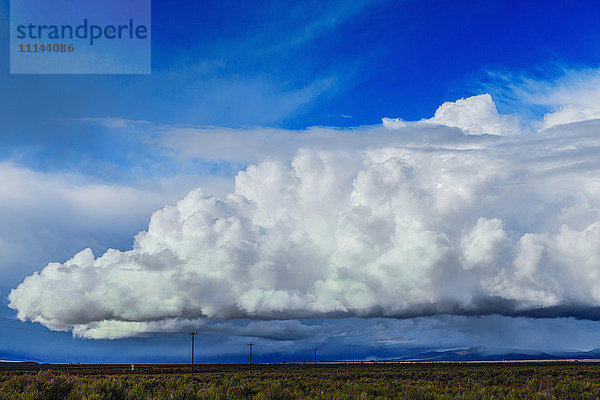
(425, 220)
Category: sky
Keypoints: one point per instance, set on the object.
(382, 177)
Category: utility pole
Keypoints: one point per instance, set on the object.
(193, 334)
(315, 350)
(250, 345)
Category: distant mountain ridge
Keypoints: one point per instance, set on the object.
(471, 354)
(488, 354)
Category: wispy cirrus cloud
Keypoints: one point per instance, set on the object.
(560, 96)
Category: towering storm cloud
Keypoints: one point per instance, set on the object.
(461, 214)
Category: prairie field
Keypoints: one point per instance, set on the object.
(556, 380)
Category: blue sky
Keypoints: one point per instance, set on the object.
(85, 160)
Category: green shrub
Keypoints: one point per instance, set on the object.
(335, 382)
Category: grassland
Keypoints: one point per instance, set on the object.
(361, 381)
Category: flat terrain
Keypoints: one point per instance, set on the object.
(555, 380)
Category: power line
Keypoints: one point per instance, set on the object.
(11, 320)
(14, 320)
(23, 329)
